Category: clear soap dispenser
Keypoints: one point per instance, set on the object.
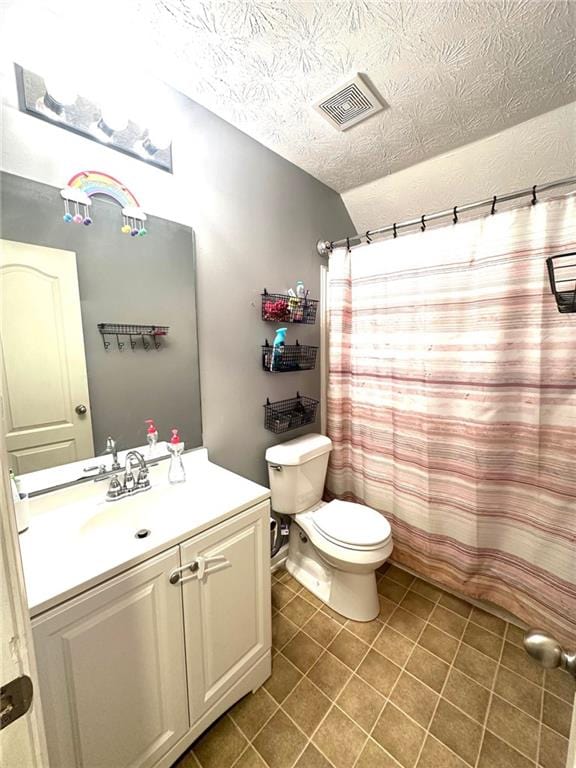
(176, 473)
(151, 437)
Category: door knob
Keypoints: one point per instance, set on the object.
(15, 699)
(81, 410)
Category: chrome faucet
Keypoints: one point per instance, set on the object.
(111, 448)
(130, 485)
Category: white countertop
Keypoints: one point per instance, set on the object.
(77, 539)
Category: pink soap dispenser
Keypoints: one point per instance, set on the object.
(176, 473)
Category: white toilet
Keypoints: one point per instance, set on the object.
(334, 547)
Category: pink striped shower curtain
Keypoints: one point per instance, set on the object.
(452, 406)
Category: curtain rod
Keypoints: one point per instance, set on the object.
(325, 246)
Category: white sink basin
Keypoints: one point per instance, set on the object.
(123, 517)
(112, 521)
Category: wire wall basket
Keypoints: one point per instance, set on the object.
(562, 274)
(288, 357)
(148, 335)
(282, 308)
(284, 415)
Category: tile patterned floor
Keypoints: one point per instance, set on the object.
(433, 682)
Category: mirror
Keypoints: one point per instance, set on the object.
(68, 383)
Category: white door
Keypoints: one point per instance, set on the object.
(22, 742)
(43, 360)
(112, 671)
(227, 611)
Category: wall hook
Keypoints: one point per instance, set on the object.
(394, 230)
(455, 216)
(423, 224)
(534, 198)
(493, 209)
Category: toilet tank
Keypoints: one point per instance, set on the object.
(297, 471)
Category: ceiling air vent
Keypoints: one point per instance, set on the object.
(351, 103)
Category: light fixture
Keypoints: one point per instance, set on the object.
(113, 119)
(107, 125)
(107, 108)
(152, 111)
(60, 93)
(156, 139)
(159, 136)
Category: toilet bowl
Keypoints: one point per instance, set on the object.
(335, 547)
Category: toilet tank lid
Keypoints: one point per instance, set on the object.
(299, 450)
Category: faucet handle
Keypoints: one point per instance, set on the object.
(100, 467)
(142, 479)
(115, 489)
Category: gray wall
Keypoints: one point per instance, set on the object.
(269, 216)
(123, 280)
(256, 219)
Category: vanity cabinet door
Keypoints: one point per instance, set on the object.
(227, 609)
(112, 671)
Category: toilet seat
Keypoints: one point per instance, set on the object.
(352, 526)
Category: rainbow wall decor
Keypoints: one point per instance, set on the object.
(86, 184)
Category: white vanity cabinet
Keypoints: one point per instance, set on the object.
(132, 671)
(227, 621)
(113, 672)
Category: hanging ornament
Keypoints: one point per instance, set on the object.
(86, 220)
(85, 185)
(67, 215)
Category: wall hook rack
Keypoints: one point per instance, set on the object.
(149, 335)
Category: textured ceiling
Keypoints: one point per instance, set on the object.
(450, 72)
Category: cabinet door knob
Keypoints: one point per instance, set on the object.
(174, 577)
(81, 410)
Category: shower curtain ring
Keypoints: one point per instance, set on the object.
(368, 238)
(493, 209)
(534, 198)
(394, 230)
(423, 224)
(455, 217)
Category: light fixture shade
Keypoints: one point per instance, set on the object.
(115, 117)
(61, 89)
(160, 136)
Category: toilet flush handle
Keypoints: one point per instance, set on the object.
(277, 467)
